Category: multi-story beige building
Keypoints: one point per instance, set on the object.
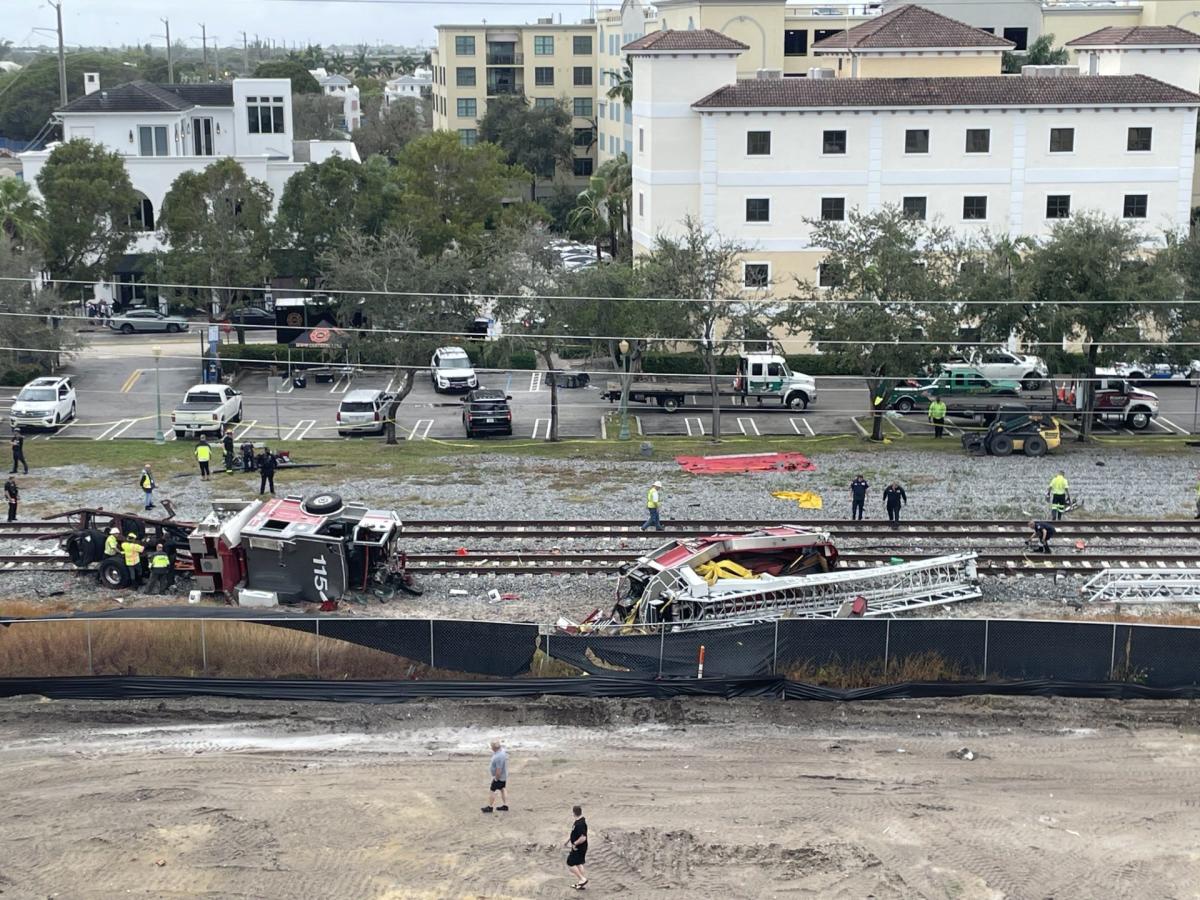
(546, 62)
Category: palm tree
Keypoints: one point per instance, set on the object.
(590, 214)
(20, 213)
(617, 174)
(623, 88)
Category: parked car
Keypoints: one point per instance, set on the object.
(43, 403)
(1001, 365)
(450, 370)
(254, 316)
(363, 412)
(147, 320)
(486, 411)
(1146, 372)
(207, 409)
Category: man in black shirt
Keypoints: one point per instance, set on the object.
(266, 468)
(893, 498)
(578, 844)
(1042, 532)
(858, 497)
(227, 446)
(18, 451)
(13, 495)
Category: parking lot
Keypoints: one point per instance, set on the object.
(115, 380)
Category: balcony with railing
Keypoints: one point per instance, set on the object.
(509, 83)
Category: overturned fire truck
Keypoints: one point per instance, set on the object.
(315, 549)
(780, 572)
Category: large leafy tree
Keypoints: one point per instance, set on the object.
(302, 80)
(216, 223)
(622, 84)
(38, 333)
(450, 193)
(20, 213)
(890, 295)
(88, 200)
(537, 139)
(386, 131)
(317, 117)
(26, 107)
(1041, 52)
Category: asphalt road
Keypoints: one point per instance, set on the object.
(115, 379)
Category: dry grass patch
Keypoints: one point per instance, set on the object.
(860, 674)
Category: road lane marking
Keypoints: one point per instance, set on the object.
(104, 434)
(535, 382)
(796, 423)
(129, 423)
(342, 384)
(537, 426)
(307, 429)
(603, 428)
(1170, 424)
(420, 431)
(303, 423)
(742, 422)
(131, 381)
(699, 427)
(243, 429)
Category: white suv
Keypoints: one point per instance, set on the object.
(451, 371)
(1001, 365)
(43, 403)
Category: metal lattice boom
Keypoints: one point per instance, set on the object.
(1143, 586)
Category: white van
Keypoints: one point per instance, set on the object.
(363, 412)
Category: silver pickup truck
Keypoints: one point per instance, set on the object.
(206, 409)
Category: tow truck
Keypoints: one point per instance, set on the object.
(760, 376)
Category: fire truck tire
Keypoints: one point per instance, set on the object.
(1002, 445)
(322, 503)
(85, 547)
(113, 574)
(1035, 445)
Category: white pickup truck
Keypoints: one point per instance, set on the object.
(206, 409)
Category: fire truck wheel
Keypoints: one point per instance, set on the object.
(113, 574)
(322, 503)
(85, 547)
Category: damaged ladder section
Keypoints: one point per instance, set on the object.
(1143, 586)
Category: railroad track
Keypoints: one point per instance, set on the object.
(36, 563)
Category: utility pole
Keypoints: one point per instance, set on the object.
(204, 42)
(216, 58)
(170, 61)
(245, 54)
(62, 58)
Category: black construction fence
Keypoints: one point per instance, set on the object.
(787, 658)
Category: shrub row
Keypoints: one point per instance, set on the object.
(17, 376)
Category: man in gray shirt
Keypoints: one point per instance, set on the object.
(499, 771)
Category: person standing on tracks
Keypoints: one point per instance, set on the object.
(937, 415)
(227, 446)
(132, 551)
(1059, 495)
(146, 483)
(894, 498)
(858, 497)
(161, 576)
(18, 452)
(267, 462)
(112, 543)
(653, 505)
(499, 771)
(13, 495)
(1042, 532)
(578, 844)
(203, 457)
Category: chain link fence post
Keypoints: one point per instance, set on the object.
(88, 625)
(546, 655)
(887, 644)
(203, 649)
(775, 651)
(431, 643)
(985, 648)
(662, 641)
(318, 624)
(1112, 659)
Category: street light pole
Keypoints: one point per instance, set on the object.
(159, 437)
(624, 348)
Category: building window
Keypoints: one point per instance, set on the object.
(641, 140)
(819, 34)
(979, 140)
(468, 137)
(265, 114)
(914, 207)
(543, 45)
(583, 107)
(828, 275)
(1058, 206)
(641, 204)
(467, 107)
(142, 217)
(833, 209)
(465, 76)
(464, 45)
(916, 140)
(584, 137)
(758, 209)
(974, 208)
(202, 136)
(756, 275)
(583, 76)
(543, 76)
(1019, 36)
(833, 143)
(152, 140)
(795, 42)
(1135, 206)
(581, 44)
(758, 143)
(544, 103)
(582, 166)
(1062, 140)
(1139, 140)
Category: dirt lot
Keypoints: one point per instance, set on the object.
(748, 799)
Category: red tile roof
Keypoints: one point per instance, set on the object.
(1137, 36)
(685, 42)
(979, 91)
(912, 27)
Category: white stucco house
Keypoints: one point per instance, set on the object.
(163, 130)
(342, 88)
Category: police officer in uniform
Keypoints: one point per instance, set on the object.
(161, 574)
(18, 452)
(1042, 532)
(227, 445)
(13, 495)
(266, 467)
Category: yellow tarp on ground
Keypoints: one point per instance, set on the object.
(804, 499)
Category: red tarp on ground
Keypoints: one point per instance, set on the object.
(746, 462)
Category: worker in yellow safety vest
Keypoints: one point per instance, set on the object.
(132, 551)
(937, 415)
(203, 455)
(161, 575)
(653, 504)
(112, 543)
(1059, 495)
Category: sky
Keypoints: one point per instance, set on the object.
(405, 22)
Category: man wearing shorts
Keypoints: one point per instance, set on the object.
(578, 844)
(499, 770)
